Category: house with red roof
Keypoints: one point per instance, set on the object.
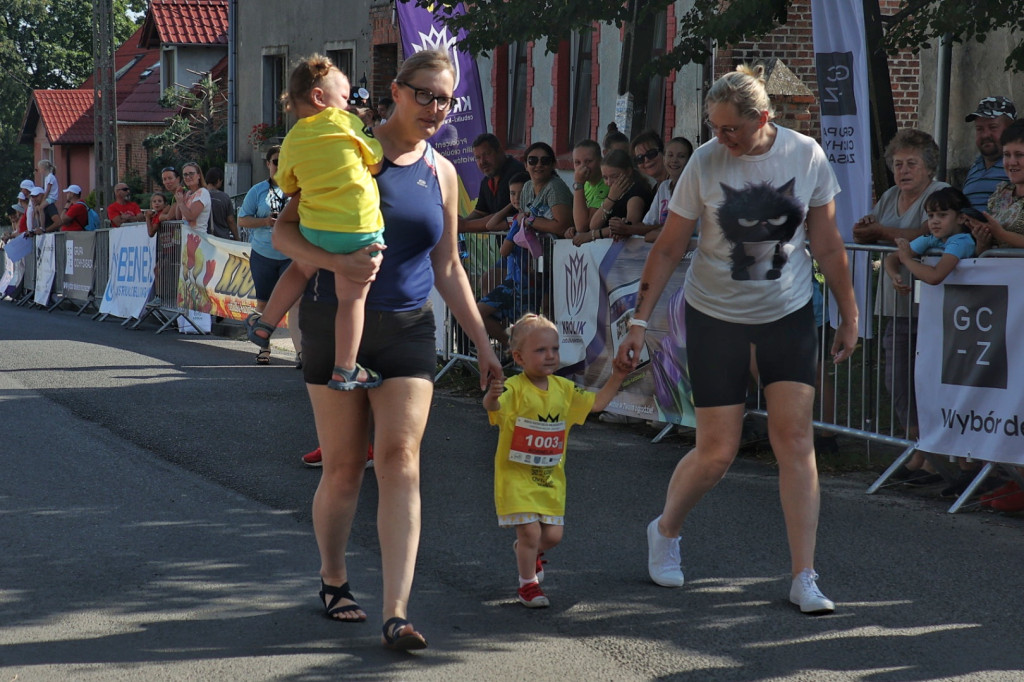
(191, 35)
(59, 123)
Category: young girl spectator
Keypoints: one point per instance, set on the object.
(677, 152)
(534, 412)
(629, 197)
(948, 230)
(329, 157)
(157, 204)
(49, 184)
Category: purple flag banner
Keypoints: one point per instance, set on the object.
(421, 31)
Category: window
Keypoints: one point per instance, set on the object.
(274, 76)
(517, 94)
(343, 54)
(582, 42)
(656, 85)
(168, 68)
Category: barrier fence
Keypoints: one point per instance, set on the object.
(588, 291)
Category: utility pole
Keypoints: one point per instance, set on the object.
(104, 103)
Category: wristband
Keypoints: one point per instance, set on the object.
(634, 322)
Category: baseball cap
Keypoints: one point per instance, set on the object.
(18, 207)
(27, 184)
(36, 191)
(993, 107)
(73, 189)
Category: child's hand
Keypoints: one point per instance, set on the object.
(904, 251)
(496, 388)
(621, 368)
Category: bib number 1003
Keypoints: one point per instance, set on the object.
(537, 443)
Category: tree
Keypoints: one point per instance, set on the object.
(44, 44)
(491, 23)
(197, 132)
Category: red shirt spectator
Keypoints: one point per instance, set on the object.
(77, 217)
(123, 210)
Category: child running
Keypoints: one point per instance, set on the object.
(950, 232)
(328, 158)
(534, 412)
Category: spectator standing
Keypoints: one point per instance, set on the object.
(629, 197)
(171, 179)
(49, 181)
(1005, 210)
(222, 213)
(260, 208)
(677, 153)
(649, 156)
(194, 199)
(588, 187)
(123, 209)
(753, 168)
(497, 167)
(75, 214)
(546, 199)
(990, 119)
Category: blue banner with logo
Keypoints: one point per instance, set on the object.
(420, 30)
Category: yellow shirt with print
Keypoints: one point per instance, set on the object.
(523, 488)
(328, 156)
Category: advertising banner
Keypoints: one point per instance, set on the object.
(14, 270)
(79, 265)
(45, 268)
(132, 257)
(215, 277)
(595, 288)
(969, 380)
(841, 62)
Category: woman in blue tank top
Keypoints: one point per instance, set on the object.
(419, 195)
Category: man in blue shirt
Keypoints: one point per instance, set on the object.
(991, 118)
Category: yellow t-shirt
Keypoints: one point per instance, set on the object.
(327, 156)
(529, 465)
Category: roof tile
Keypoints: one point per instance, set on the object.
(191, 22)
(67, 115)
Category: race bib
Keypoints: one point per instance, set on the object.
(537, 443)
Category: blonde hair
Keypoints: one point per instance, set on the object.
(309, 73)
(524, 325)
(745, 88)
(425, 60)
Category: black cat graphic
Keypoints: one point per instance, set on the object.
(759, 213)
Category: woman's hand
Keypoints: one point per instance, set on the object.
(360, 266)
(618, 189)
(629, 350)
(866, 230)
(581, 238)
(490, 368)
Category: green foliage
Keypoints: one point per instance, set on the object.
(44, 44)
(491, 23)
(198, 132)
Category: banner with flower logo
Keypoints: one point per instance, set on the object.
(595, 288)
(215, 277)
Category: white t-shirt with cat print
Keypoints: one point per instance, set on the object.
(762, 273)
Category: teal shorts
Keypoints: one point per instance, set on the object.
(341, 242)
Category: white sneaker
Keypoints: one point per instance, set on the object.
(805, 594)
(663, 557)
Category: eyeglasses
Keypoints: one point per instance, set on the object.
(273, 161)
(542, 160)
(190, 174)
(648, 155)
(121, 189)
(425, 97)
(728, 131)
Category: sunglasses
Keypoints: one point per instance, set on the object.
(425, 97)
(273, 161)
(169, 168)
(542, 160)
(648, 155)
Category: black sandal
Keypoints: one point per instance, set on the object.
(255, 322)
(263, 357)
(337, 594)
(393, 639)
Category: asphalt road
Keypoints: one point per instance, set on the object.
(154, 525)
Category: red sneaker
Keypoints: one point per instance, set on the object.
(532, 597)
(313, 459)
(1005, 489)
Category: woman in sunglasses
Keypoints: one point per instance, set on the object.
(419, 201)
(649, 156)
(546, 200)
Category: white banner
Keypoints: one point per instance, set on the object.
(595, 288)
(841, 62)
(969, 382)
(46, 266)
(132, 257)
(13, 272)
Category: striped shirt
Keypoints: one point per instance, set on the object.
(981, 182)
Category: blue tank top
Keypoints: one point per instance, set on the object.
(411, 203)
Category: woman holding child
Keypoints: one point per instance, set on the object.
(419, 195)
(759, 191)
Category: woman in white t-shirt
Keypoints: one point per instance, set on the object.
(194, 198)
(759, 191)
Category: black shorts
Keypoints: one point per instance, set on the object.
(265, 273)
(718, 354)
(396, 344)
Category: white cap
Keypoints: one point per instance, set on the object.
(18, 207)
(73, 189)
(27, 184)
(36, 191)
